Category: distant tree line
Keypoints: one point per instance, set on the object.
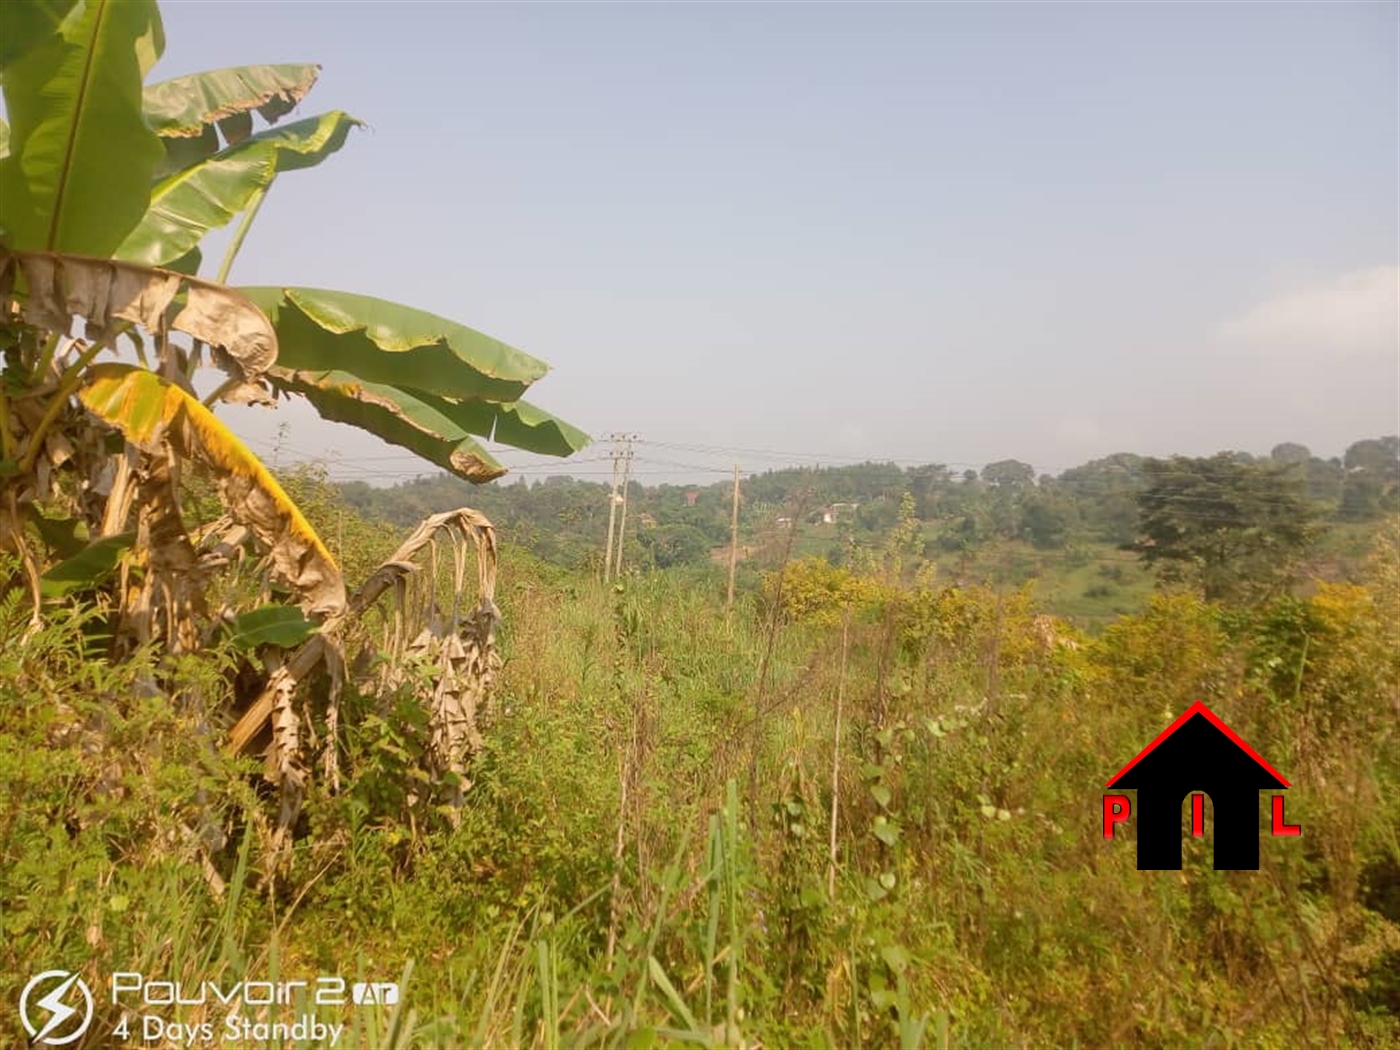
(1169, 510)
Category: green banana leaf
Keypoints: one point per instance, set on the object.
(78, 174)
(518, 424)
(200, 114)
(190, 106)
(209, 193)
(88, 568)
(26, 25)
(189, 263)
(281, 625)
(383, 342)
(395, 416)
(64, 536)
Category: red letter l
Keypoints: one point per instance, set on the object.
(1280, 828)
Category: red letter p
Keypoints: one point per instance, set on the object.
(1116, 809)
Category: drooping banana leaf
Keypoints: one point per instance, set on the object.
(152, 412)
(388, 343)
(51, 288)
(436, 428)
(189, 106)
(189, 113)
(78, 174)
(210, 192)
(518, 424)
(395, 416)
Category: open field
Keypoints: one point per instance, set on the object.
(645, 854)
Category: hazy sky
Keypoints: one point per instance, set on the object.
(921, 232)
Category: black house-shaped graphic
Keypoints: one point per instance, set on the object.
(1198, 752)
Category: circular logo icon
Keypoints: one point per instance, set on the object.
(61, 1021)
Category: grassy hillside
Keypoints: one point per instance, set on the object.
(645, 855)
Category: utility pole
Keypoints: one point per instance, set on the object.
(626, 480)
(733, 541)
(612, 507)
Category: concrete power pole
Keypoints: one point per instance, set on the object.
(626, 480)
(733, 541)
(612, 507)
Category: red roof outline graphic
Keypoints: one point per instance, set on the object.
(1199, 708)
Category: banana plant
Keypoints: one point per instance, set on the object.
(412, 378)
(108, 184)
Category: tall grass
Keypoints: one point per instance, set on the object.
(971, 902)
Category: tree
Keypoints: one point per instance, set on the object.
(1324, 479)
(1047, 520)
(1290, 452)
(1371, 485)
(1374, 455)
(675, 544)
(1009, 473)
(1237, 530)
(924, 483)
(1104, 491)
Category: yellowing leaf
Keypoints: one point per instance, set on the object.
(150, 411)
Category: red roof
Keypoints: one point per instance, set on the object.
(1199, 708)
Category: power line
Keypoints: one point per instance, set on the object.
(362, 469)
(668, 468)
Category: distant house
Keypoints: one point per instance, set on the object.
(834, 513)
(690, 498)
(844, 511)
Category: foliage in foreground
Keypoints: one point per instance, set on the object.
(645, 853)
(108, 184)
